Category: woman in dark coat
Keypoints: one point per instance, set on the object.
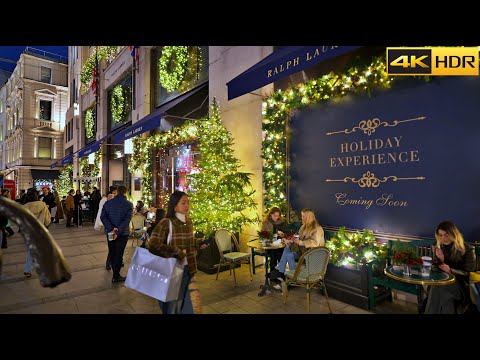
(456, 257)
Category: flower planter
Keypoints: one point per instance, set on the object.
(348, 285)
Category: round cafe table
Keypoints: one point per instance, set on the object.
(436, 278)
(267, 287)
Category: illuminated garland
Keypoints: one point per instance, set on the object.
(355, 248)
(65, 180)
(95, 171)
(86, 74)
(222, 196)
(278, 108)
(118, 104)
(171, 66)
(142, 152)
(84, 171)
(90, 123)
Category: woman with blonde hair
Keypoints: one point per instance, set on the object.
(456, 257)
(311, 235)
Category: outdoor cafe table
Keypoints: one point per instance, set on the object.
(436, 278)
(257, 244)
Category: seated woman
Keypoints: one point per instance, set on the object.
(274, 223)
(159, 215)
(311, 235)
(140, 208)
(454, 256)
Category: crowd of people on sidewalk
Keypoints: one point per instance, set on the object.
(113, 214)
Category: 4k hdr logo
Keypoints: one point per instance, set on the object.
(432, 61)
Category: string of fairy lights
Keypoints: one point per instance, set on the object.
(90, 123)
(86, 74)
(119, 104)
(279, 107)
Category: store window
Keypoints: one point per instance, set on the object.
(46, 75)
(44, 148)
(45, 110)
(180, 162)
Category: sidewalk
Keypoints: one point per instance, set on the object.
(90, 290)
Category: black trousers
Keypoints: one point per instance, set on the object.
(115, 253)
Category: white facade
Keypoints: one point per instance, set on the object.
(35, 103)
(3, 125)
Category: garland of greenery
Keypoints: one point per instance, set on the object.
(171, 66)
(65, 180)
(90, 123)
(85, 171)
(278, 108)
(86, 75)
(143, 148)
(119, 104)
(96, 163)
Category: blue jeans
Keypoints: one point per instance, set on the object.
(184, 303)
(28, 262)
(289, 257)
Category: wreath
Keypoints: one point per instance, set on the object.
(89, 123)
(171, 66)
(118, 104)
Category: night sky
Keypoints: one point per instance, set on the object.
(13, 53)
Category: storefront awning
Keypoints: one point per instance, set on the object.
(280, 64)
(45, 174)
(67, 159)
(152, 120)
(90, 148)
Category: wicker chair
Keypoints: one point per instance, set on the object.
(309, 273)
(227, 243)
(137, 227)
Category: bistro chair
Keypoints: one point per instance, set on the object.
(309, 273)
(138, 227)
(226, 244)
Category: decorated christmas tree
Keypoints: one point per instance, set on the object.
(221, 197)
(65, 180)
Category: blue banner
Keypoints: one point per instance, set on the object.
(67, 159)
(146, 124)
(280, 64)
(54, 165)
(87, 150)
(399, 162)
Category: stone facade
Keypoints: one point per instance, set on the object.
(35, 102)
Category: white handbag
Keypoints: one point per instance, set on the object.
(155, 276)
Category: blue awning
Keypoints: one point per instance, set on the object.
(90, 148)
(280, 64)
(67, 159)
(152, 120)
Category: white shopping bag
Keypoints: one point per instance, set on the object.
(155, 276)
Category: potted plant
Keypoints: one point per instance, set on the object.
(347, 273)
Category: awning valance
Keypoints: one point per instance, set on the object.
(67, 159)
(152, 120)
(280, 64)
(90, 148)
(45, 174)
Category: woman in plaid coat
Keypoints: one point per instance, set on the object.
(182, 244)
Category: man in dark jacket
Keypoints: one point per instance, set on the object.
(48, 198)
(116, 215)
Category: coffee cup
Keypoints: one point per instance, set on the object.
(426, 265)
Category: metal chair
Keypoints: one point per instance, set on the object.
(138, 227)
(309, 273)
(227, 243)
